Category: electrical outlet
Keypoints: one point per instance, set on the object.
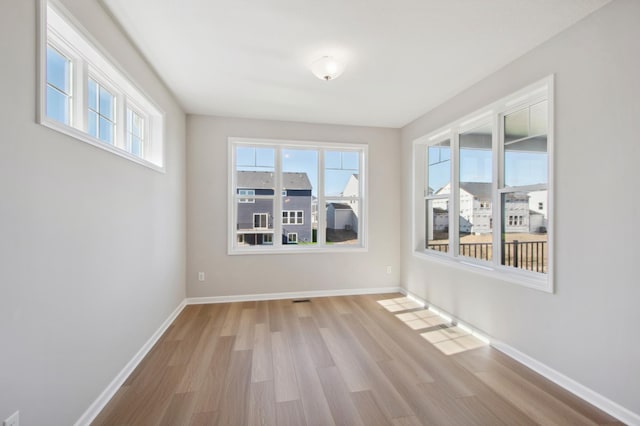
(200, 276)
(12, 420)
(388, 269)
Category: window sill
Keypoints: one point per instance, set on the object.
(531, 280)
(85, 137)
(296, 249)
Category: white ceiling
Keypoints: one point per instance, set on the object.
(242, 58)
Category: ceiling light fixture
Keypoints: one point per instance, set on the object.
(327, 68)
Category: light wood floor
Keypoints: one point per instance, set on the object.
(338, 360)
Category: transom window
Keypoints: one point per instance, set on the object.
(86, 96)
(101, 118)
(136, 137)
(59, 91)
(490, 168)
(308, 194)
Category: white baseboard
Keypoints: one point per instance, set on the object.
(592, 397)
(291, 295)
(94, 409)
(616, 410)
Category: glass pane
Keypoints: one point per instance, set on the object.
(437, 225)
(525, 162)
(254, 222)
(92, 96)
(57, 105)
(106, 131)
(58, 70)
(137, 127)
(439, 168)
(524, 230)
(516, 125)
(106, 104)
(92, 124)
(342, 173)
(342, 223)
(255, 170)
(539, 118)
(136, 146)
(475, 224)
(299, 191)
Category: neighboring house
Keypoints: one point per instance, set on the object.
(523, 213)
(255, 221)
(538, 207)
(345, 215)
(341, 216)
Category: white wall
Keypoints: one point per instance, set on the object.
(253, 274)
(92, 246)
(587, 330)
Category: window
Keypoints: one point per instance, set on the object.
(86, 96)
(313, 195)
(293, 217)
(58, 86)
(102, 111)
(135, 133)
(493, 167)
(247, 192)
(260, 220)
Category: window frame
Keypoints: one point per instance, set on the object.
(494, 112)
(64, 33)
(277, 247)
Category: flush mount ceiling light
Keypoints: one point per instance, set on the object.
(327, 68)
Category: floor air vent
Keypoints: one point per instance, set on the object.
(301, 301)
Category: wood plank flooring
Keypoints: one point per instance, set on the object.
(356, 360)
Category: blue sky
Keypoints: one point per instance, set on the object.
(521, 168)
(339, 165)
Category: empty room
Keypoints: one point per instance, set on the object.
(319, 213)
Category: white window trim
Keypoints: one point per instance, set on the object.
(125, 90)
(319, 247)
(289, 234)
(495, 111)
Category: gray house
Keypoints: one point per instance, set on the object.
(255, 221)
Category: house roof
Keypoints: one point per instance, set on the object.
(340, 206)
(264, 180)
(480, 190)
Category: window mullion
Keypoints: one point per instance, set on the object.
(121, 122)
(277, 200)
(454, 196)
(79, 72)
(498, 173)
(322, 211)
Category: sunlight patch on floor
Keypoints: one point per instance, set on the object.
(399, 304)
(453, 340)
(422, 319)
